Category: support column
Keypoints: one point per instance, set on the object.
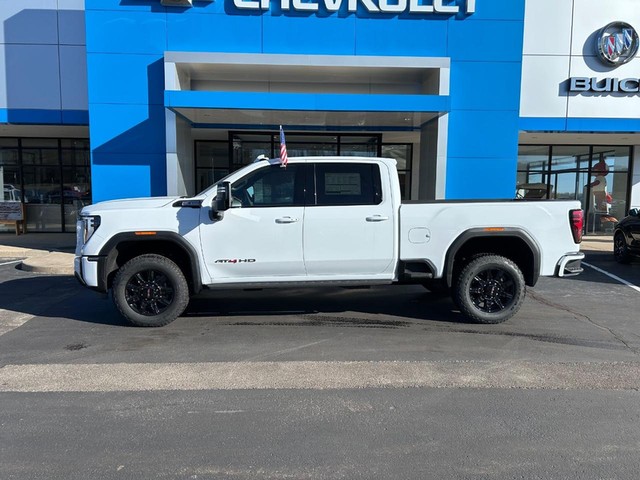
(635, 179)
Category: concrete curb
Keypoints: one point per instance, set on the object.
(57, 263)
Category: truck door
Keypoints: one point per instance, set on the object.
(349, 227)
(260, 236)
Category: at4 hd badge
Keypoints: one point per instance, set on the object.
(617, 43)
(236, 260)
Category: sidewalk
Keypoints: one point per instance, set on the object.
(52, 253)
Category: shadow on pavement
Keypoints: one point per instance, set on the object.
(378, 308)
(58, 297)
(62, 297)
(330, 305)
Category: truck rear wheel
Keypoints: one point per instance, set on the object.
(489, 289)
(150, 291)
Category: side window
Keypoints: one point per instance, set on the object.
(348, 184)
(272, 186)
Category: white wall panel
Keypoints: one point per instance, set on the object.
(547, 27)
(42, 55)
(541, 80)
(28, 21)
(3, 79)
(591, 15)
(73, 77)
(71, 27)
(593, 105)
(71, 5)
(546, 61)
(32, 76)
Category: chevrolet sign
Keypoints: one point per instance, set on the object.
(372, 6)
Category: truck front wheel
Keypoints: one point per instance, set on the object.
(489, 289)
(150, 291)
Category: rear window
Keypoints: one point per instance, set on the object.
(348, 184)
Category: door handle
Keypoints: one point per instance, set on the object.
(286, 220)
(377, 218)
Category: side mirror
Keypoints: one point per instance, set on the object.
(634, 212)
(222, 201)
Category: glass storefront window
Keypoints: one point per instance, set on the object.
(533, 166)
(308, 148)
(10, 184)
(245, 153)
(212, 163)
(403, 153)
(597, 176)
(52, 177)
(568, 168)
(247, 146)
(359, 150)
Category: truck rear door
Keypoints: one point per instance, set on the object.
(349, 224)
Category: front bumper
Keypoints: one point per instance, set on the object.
(570, 265)
(86, 270)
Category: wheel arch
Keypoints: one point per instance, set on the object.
(124, 246)
(513, 243)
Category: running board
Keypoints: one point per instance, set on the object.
(301, 284)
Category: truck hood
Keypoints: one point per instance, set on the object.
(129, 204)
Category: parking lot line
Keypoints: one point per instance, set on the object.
(615, 277)
(9, 263)
(10, 320)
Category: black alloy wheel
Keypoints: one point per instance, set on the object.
(150, 291)
(489, 289)
(492, 290)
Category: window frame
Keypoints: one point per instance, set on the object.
(375, 177)
(299, 184)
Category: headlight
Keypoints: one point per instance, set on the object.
(86, 226)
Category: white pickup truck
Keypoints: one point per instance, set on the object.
(322, 221)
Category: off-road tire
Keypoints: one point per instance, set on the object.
(150, 291)
(620, 249)
(489, 289)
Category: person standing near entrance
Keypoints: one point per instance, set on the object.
(601, 198)
(599, 187)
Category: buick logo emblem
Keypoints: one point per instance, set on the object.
(617, 44)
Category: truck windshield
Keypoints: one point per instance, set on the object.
(208, 190)
(215, 185)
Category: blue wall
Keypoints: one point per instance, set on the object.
(126, 40)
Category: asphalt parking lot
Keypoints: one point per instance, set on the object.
(387, 382)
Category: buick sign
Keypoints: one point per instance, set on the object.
(604, 85)
(617, 43)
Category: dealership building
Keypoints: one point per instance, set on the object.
(476, 99)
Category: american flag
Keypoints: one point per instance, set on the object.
(284, 158)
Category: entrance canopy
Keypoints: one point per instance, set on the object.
(321, 92)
